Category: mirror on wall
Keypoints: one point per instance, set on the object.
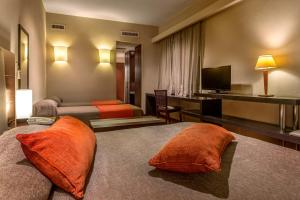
(23, 59)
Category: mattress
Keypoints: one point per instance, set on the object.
(67, 104)
(251, 169)
(79, 111)
(86, 113)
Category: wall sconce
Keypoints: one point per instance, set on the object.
(104, 55)
(23, 104)
(61, 53)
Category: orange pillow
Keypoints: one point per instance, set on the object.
(64, 153)
(197, 148)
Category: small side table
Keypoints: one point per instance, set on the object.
(21, 122)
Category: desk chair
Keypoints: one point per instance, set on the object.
(162, 107)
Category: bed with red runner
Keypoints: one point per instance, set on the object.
(87, 113)
(98, 109)
(115, 111)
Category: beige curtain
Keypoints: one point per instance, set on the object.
(3, 117)
(181, 74)
(176, 67)
(165, 70)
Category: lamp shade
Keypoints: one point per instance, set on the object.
(104, 55)
(23, 104)
(61, 53)
(265, 62)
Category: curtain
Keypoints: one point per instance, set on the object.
(165, 72)
(176, 71)
(3, 115)
(180, 62)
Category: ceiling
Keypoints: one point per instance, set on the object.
(149, 12)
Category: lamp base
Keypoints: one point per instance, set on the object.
(264, 95)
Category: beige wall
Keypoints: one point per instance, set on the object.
(9, 19)
(82, 78)
(33, 19)
(238, 35)
(242, 33)
(193, 8)
(31, 14)
(4, 40)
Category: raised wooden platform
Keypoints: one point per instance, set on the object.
(101, 125)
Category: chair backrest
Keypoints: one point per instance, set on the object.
(161, 98)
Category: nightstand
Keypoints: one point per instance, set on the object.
(21, 122)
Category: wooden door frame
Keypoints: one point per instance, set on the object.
(138, 73)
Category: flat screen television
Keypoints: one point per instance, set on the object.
(218, 79)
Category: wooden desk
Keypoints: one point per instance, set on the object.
(281, 101)
(252, 98)
(271, 130)
(207, 105)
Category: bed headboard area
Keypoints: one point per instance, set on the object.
(7, 89)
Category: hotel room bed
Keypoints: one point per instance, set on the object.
(70, 104)
(82, 111)
(251, 169)
(86, 113)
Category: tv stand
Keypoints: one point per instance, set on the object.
(281, 101)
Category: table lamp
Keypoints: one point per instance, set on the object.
(23, 104)
(265, 63)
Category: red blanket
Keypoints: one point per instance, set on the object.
(115, 111)
(106, 102)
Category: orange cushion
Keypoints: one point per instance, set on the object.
(197, 148)
(64, 153)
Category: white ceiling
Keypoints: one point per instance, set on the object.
(149, 12)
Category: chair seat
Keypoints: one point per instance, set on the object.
(162, 108)
(169, 108)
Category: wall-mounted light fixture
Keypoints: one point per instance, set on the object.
(61, 53)
(104, 55)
